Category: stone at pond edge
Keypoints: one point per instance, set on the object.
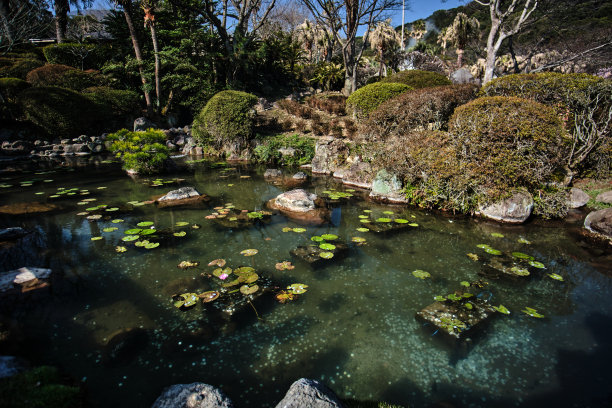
(513, 210)
(600, 223)
(181, 196)
(605, 197)
(12, 233)
(328, 154)
(305, 393)
(273, 173)
(577, 198)
(27, 208)
(195, 395)
(387, 187)
(26, 278)
(359, 174)
(142, 124)
(300, 205)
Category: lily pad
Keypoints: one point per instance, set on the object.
(182, 224)
(141, 244)
(222, 271)
(120, 249)
(537, 264)
(129, 238)
(83, 213)
(363, 216)
(519, 271)
(244, 270)
(523, 241)
(465, 283)
(284, 266)
(317, 238)
(148, 231)
(364, 220)
(382, 219)
(497, 235)
(185, 300)
(248, 290)
(217, 262)
(180, 234)
(421, 274)
(326, 255)
(110, 229)
(299, 230)
(94, 217)
(133, 231)
(363, 229)
(413, 224)
(329, 237)
(492, 251)
(555, 276)
(367, 211)
(112, 209)
(439, 298)
(388, 212)
(188, 264)
(483, 246)
(529, 311)
(117, 221)
(400, 221)
(145, 224)
(502, 309)
(287, 229)
(472, 256)
(327, 247)
(152, 245)
(297, 288)
(209, 296)
(249, 252)
(96, 238)
(521, 255)
(358, 239)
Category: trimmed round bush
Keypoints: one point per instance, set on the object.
(226, 121)
(11, 87)
(73, 54)
(120, 103)
(17, 67)
(427, 108)
(65, 77)
(366, 99)
(142, 152)
(417, 79)
(60, 112)
(506, 142)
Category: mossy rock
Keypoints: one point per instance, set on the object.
(365, 100)
(417, 79)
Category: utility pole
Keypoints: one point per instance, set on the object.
(403, 13)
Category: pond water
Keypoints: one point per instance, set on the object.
(354, 328)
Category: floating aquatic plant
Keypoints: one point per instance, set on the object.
(472, 256)
(283, 266)
(363, 216)
(414, 224)
(222, 271)
(497, 235)
(537, 264)
(244, 270)
(358, 239)
(367, 211)
(217, 262)
(297, 288)
(185, 300)
(439, 298)
(120, 249)
(382, 219)
(317, 238)
(529, 311)
(326, 246)
(133, 231)
(465, 283)
(556, 277)
(329, 237)
(110, 229)
(493, 251)
(299, 230)
(83, 213)
(145, 224)
(94, 217)
(255, 215)
(248, 290)
(249, 252)
(521, 255)
(209, 296)
(483, 246)
(326, 255)
(129, 238)
(502, 309)
(364, 220)
(363, 229)
(287, 229)
(522, 240)
(400, 221)
(181, 224)
(388, 212)
(188, 264)
(152, 245)
(519, 271)
(180, 234)
(117, 221)
(468, 305)
(421, 274)
(148, 231)
(284, 296)
(112, 209)
(141, 244)
(96, 238)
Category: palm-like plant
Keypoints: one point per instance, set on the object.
(419, 29)
(459, 33)
(305, 34)
(382, 38)
(149, 21)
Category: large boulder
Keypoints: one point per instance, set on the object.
(515, 209)
(273, 173)
(330, 154)
(359, 174)
(462, 76)
(387, 187)
(600, 223)
(300, 205)
(195, 395)
(305, 393)
(605, 197)
(24, 279)
(180, 197)
(142, 124)
(577, 198)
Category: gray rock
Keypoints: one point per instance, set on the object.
(12, 233)
(514, 210)
(387, 187)
(360, 175)
(65, 141)
(262, 105)
(462, 76)
(305, 393)
(329, 155)
(22, 276)
(577, 198)
(189, 144)
(298, 200)
(9, 366)
(195, 395)
(95, 147)
(605, 197)
(180, 194)
(338, 173)
(300, 175)
(600, 223)
(272, 173)
(142, 123)
(170, 145)
(179, 141)
(287, 151)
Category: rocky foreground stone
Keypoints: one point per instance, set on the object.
(599, 223)
(300, 205)
(303, 393)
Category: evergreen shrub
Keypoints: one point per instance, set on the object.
(268, 150)
(365, 100)
(227, 119)
(18, 67)
(118, 103)
(65, 77)
(427, 108)
(417, 79)
(11, 87)
(143, 152)
(81, 56)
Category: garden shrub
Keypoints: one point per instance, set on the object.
(18, 67)
(81, 56)
(584, 103)
(119, 103)
(366, 99)
(417, 79)
(421, 108)
(11, 87)
(227, 119)
(65, 77)
(143, 152)
(61, 112)
(295, 108)
(267, 151)
(506, 142)
(330, 102)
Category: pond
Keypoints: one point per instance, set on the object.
(354, 328)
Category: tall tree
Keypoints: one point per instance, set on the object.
(459, 33)
(504, 23)
(149, 21)
(61, 8)
(383, 38)
(22, 20)
(344, 18)
(306, 33)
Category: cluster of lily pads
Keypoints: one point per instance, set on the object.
(325, 244)
(337, 195)
(161, 182)
(367, 218)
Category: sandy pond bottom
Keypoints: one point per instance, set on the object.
(355, 327)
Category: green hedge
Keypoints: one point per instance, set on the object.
(81, 56)
(143, 152)
(227, 119)
(119, 103)
(61, 112)
(417, 79)
(427, 108)
(11, 87)
(65, 77)
(18, 67)
(366, 99)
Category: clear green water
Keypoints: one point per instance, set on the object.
(355, 328)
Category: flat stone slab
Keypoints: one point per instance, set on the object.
(605, 197)
(27, 208)
(454, 319)
(195, 395)
(600, 223)
(185, 196)
(577, 198)
(513, 210)
(26, 278)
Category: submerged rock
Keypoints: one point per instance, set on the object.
(125, 345)
(300, 205)
(599, 223)
(577, 198)
(312, 253)
(25, 279)
(513, 210)
(12, 233)
(27, 208)
(305, 393)
(195, 395)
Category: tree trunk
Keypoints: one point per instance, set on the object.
(513, 55)
(459, 57)
(4, 16)
(492, 48)
(157, 66)
(138, 53)
(382, 62)
(61, 19)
